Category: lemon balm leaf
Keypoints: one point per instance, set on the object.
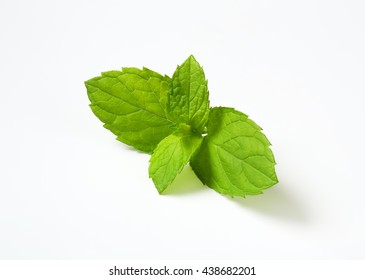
(188, 101)
(235, 157)
(170, 157)
(131, 104)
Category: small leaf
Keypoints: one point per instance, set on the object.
(171, 155)
(188, 102)
(235, 157)
(132, 103)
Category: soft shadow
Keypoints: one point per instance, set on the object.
(276, 202)
(185, 183)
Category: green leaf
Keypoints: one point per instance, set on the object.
(188, 102)
(234, 158)
(171, 155)
(132, 104)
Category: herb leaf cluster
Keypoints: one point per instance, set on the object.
(170, 118)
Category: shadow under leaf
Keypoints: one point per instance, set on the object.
(276, 202)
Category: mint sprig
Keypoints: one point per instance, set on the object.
(170, 118)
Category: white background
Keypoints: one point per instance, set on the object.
(68, 190)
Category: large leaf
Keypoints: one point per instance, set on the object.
(235, 157)
(131, 103)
